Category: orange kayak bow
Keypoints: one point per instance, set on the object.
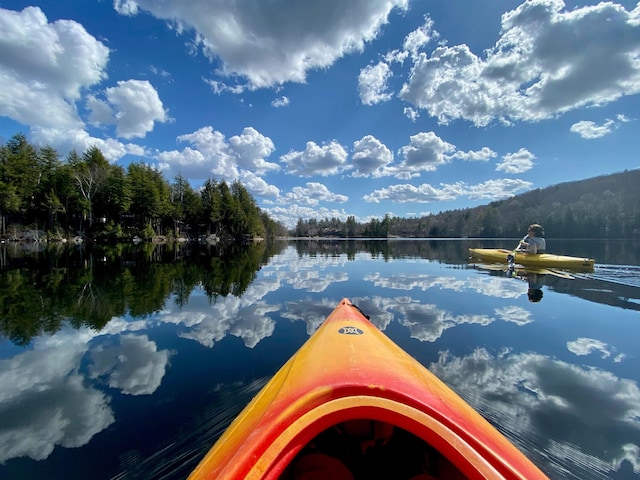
(350, 383)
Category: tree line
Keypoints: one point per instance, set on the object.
(86, 196)
(601, 207)
(83, 195)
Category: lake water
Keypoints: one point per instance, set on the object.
(129, 362)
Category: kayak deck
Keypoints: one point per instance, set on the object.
(350, 373)
(539, 260)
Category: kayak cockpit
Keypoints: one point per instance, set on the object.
(369, 449)
(375, 437)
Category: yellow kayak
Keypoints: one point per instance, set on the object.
(536, 260)
(351, 404)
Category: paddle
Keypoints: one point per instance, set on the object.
(511, 257)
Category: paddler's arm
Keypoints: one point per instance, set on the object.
(530, 248)
(523, 246)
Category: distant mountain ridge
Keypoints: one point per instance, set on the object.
(605, 206)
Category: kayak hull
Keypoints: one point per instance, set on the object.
(350, 370)
(536, 260)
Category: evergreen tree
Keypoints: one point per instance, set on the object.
(19, 176)
(212, 207)
(186, 206)
(149, 197)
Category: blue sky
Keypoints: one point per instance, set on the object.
(333, 108)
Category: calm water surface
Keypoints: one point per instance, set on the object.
(129, 363)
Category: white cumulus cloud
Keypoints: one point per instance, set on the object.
(133, 106)
(287, 40)
(547, 60)
(372, 83)
(312, 194)
(518, 162)
(425, 152)
(45, 66)
(243, 157)
(590, 130)
(325, 160)
(371, 157)
(426, 193)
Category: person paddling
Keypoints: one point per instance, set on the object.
(534, 241)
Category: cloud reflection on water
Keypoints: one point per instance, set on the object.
(134, 365)
(46, 400)
(569, 412)
(585, 346)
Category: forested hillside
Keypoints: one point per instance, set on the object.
(45, 197)
(601, 207)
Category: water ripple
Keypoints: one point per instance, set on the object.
(180, 454)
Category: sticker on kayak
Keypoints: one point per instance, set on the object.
(350, 331)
